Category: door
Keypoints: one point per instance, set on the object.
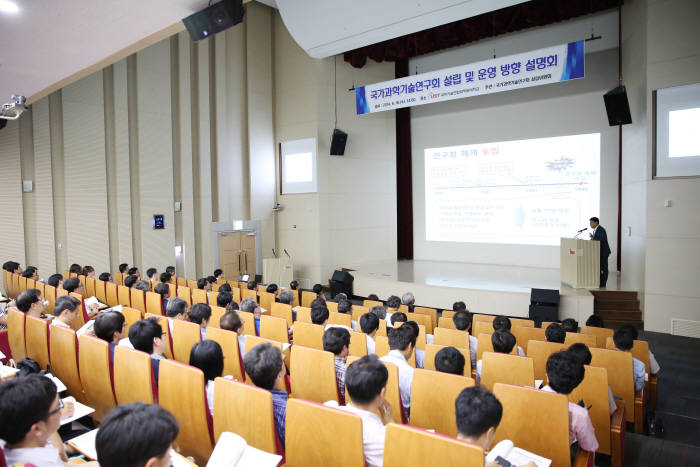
(248, 253)
(230, 258)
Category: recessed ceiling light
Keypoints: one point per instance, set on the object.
(7, 6)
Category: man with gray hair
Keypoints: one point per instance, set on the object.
(145, 286)
(409, 300)
(249, 305)
(379, 310)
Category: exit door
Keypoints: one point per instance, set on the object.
(237, 254)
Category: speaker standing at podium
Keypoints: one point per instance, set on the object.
(600, 235)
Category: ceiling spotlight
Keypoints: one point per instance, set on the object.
(13, 109)
(6, 6)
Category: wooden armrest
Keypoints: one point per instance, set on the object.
(618, 430)
(638, 412)
(583, 459)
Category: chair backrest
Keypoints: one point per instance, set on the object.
(485, 345)
(22, 283)
(216, 313)
(370, 303)
(311, 435)
(540, 351)
(509, 369)
(133, 376)
(213, 296)
(482, 327)
(432, 312)
(576, 337)
(313, 374)
(82, 317)
(192, 284)
(593, 391)
(50, 296)
(332, 306)
(282, 310)
(184, 293)
(64, 360)
(90, 289)
(154, 303)
(199, 296)
(537, 421)
(423, 319)
(640, 350)
(111, 293)
(248, 323)
(165, 326)
(247, 293)
(620, 375)
(247, 411)
(261, 289)
(37, 340)
(308, 335)
(528, 323)
(95, 374)
(181, 392)
(358, 344)
(358, 311)
(15, 326)
(524, 334)
(236, 294)
(601, 334)
(340, 318)
(274, 328)
(433, 397)
(453, 337)
(431, 351)
(381, 331)
(483, 318)
(124, 295)
(118, 277)
(424, 448)
(304, 314)
(173, 289)
(228, 340)
(266, 300)
(15, 285)
(131, 315)
(445, 322)
(381, 345)
(185, 336)
(181, 281)
(307, 297)
(100, 291)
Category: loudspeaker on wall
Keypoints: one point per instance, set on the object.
(617, 106)
(338, 142)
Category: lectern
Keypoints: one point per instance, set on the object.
(278, 271)
(580, 263)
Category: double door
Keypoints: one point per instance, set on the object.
(237, 254)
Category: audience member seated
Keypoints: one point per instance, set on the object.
(136, 434)
(147, 336)
(225, 287)
(373, 297)
(502, 323)
(109, 326)
(105, 277)
(365, 380)
(379, 311)
(398, 316)
(208, 357)
(565, 372)
(123, 268)
(142, 285)
(56, 280)
(165, 277)
(73, 285)
(581, 351)
(204, 284)
(555, 333)
(134, 271)
(75, 269)
(319, 315)
(13, 267)
(200, 313)
(569, 325)
(402, 342)
(89, 271)
(30, 302)
(462, 320)
(252, 285)
(420, 354)
(30, 411)
(318, 290)
(595, 321)
(231, 321)
(294, 285)
(459, 306)
(272, 288)
(249, 305)
(152, 274)
(392, 306)
(225, 300)
(65, 310)
(450, 360)
(340, 296)
(369, 323)
(176, 309)
(170, 270)
(502, 342)
(265, 366)
(163, 290)
(624, 341)
(212, 281)
(654, 366)
(337, 342)
(409, 300)
(287, 298)
(218, 274)
(31, 273)
(130, 280)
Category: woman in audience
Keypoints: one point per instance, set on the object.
(75, 269)
(208, 357)
(200, 313)
(503, 342)
(369, 323)
(450, 360)
(89, 271)
(337, 341)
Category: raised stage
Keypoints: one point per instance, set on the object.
(490, 289)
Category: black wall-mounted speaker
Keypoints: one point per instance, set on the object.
(617, 106)
(338, 142)
(215, 18)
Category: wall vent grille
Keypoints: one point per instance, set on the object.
(685, 327)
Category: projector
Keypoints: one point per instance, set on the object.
(14, 109)
(215, 18)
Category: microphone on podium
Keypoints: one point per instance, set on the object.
(582, 230)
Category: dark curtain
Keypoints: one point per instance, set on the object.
(404, 178)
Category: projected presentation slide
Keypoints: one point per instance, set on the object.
(529, 192)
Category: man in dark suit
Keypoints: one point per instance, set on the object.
(602, 236)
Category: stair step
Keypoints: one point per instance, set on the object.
(621, 315)
(614, 295)
(632, 305)
(614, 324)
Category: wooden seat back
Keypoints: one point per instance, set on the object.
(403, 442)
(452, 337)
(154, 303)
(432, 312)
(15, 285)
(22, 283)
(101, 291)
(181, 281)
(124, 295)
(185, 336)
(133, 376)
(50, 296)
(312, 436)
(236, 294)
(575, 337)
(64, 360)
(95, 375)
(181, 392)
(173, 289)
(332, 306)
(483, 318)
(247, 293)
(431, 351)
(111, 293)
(228, 340)
(304, 314)
(593, 391)
(274, 328)
(392, 394)
(524, 334)
(640, 350)
(118, 278)
(266, 300)
(540, 351)
(192, 284)
(248, 323)
(485, 345)
(308, 335)
(90, 289)
(215, 319)
(165, 326)
(37, 340)
(370, 303)
(307, 297)
(381, 331)
(313, 374)
(282, 310)
(15, 326)
(185, 293)
(358, 344)
(422, 319)
(620, 375)
(482, 327)
(601, 334)
(340, 318)
(445, 322)
(509, 369)
(381, 345)
(528, 323)
(212, 298)
(82, 317)
(131, 315)
(199, 296)
(435, 409)
(358, 311)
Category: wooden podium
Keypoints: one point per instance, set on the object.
(580, 263)
(278, 271)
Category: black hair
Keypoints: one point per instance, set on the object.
(165, 277)
(54, 280)
(106, 324)
(225, 287)
(211, 279)
(231, 321)
(142, 333)
(133, 271)
(373, 296)
(369, 322)
(414, 326)
(595, 219)
(272, 288)
(319, 315)
(199, 312)
(24, 401)
(334, 339)
(123, 267)
(29, 272)
(564, 371)
(477, 410)
(318, 301)
(71, 285)
(502, 341)
(11, 266)
(218, 272)
(632, 330)
(501, 323)
(317, 289)
(462, 320)
(162, 289)
(569, 325)
(27, 298)
(365, 378)
(87, 270)
(263, 363)
(393, 302)
(294, 285)
(581, 351)
(252, 285)
(170, 269)
(555, 333)
(450, 360)
(595, 321)
(176, 306)
(208, 357)
(459, 306)
(150, 272)
(223, 299)
(129, 281)
(75, 269)
(400, 338)
(202, 283)
(344, 306)
(63, 303)
(131, 434)
(105, 277)
(623, 339)
(398, 316)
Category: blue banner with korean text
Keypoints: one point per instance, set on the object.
(543, 66)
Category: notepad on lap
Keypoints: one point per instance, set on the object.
(94, 301)
(85, 327)
(516, 456)
(232, 451)
(80, 410)
(85, 444)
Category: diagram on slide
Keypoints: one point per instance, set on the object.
(528, 192)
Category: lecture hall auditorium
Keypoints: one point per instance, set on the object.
(369, 233)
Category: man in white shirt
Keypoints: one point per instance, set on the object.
(65, 310)
(402, 342)
(369, 323)
(365, 381)
(463, 322)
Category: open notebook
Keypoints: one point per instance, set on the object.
(232, 451)
(516, 456)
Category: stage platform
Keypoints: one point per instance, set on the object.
(490, 289)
